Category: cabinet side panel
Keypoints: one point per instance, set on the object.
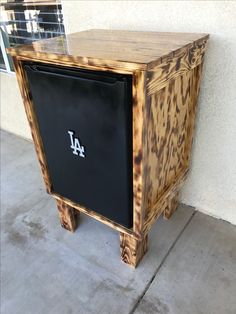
(170, 120)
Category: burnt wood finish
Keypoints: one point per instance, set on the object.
(132, 250)
(68, 216)
(170, 115)
(98, 217)
(139, 95)
(171, 206)
(166, 70)
(29, 110)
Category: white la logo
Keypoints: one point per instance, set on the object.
(75, 145)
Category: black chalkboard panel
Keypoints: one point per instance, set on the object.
(85, 121)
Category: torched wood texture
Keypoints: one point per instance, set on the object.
(166, 69)
(68, 216)
(132, 250)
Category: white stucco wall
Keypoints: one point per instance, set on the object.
(13, 118)
(211, 186)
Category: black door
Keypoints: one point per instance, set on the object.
(85, 123)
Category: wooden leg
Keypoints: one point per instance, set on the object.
(171, 206)
(68, 216)
(131, 249)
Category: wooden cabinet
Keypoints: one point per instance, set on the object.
(152, 138)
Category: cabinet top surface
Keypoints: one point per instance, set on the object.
(132, 49)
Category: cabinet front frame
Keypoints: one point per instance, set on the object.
(138, 106)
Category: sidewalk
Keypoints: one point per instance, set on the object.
(190, 266)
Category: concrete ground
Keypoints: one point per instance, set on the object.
(190, 266)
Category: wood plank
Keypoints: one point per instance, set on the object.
(68, 216)
(132, 250)
(139, 99)
(127, 50)
(67, 62)
(162, 202)
(171, 206)
(195, 88)
(142, 38)
(97, 216)
(175, 66)
(29, 110)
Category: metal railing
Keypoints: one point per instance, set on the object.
(23, 23)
